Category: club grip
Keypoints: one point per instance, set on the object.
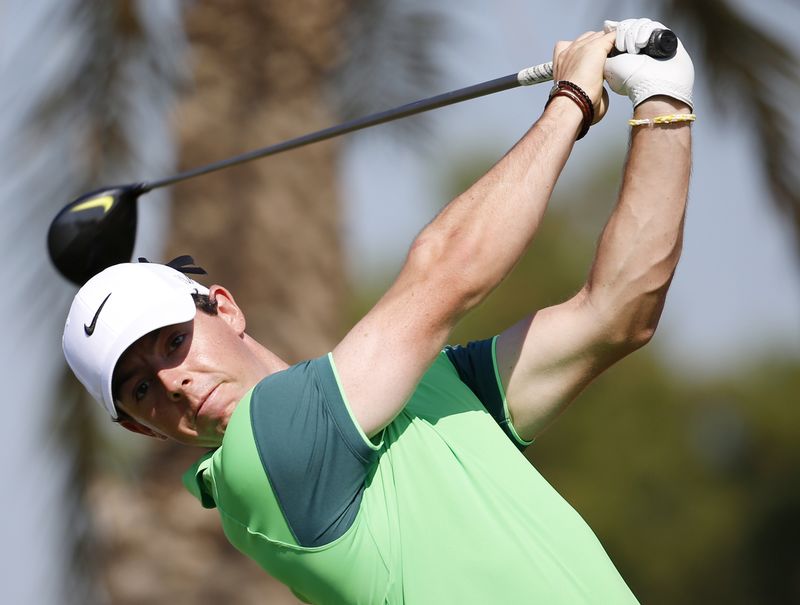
(662, 44)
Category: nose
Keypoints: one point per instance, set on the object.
(175, 382)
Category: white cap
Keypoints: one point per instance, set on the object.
(113, 310)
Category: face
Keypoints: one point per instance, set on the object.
(184, 381)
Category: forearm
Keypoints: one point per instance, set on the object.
(483, 232)
(465, 251)
(641, 244)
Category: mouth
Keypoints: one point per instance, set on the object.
(203, 401)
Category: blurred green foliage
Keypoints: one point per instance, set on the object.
(692, 484)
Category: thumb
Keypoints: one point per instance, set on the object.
(609, 26)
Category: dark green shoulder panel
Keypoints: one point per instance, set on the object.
(314, 456)
(475, 366)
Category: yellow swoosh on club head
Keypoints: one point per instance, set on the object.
(97, 202)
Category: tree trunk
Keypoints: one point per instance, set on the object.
(269, 232)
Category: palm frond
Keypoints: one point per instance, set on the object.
(390, 59)
(88, 83)
(126, 66)
(753, 74)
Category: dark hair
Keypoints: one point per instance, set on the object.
(204, 303)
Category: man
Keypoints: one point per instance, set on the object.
(388, 471)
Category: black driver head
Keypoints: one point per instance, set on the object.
(94, 231)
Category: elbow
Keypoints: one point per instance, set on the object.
(632, 307)
(641, 335)
(447, 268)
(622, 340)
(641, 323)
(631, 322)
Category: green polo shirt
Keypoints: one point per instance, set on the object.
(444, 509)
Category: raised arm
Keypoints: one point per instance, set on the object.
(546, 359)
(463, 254)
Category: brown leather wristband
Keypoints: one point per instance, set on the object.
(565, 88)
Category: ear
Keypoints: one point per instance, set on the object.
(135, 427)
(227, 309)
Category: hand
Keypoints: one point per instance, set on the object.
(581, 62)
(640, 77)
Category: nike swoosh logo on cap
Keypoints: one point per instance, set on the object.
(90, 328)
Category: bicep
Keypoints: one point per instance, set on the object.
(381, 360)
(547, 359)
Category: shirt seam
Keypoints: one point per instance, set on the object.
(364, 439)
(297, 547)
(266, 467)
(502, 391)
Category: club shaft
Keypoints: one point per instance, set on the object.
(522, 78)
(662, 44)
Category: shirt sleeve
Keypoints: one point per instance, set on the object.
(476, 364)
(313, 452)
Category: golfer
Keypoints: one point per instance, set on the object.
(389, 470)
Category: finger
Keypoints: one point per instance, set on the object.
(589, 38)
(643, 36)
(584, 36)
(559, 48)
(609, 26)
(625, 40)
(595, 36)
(631, 34)
(609, 37)
(619, 39)
(643, 29)
(639, 33)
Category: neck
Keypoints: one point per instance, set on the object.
(271, 362)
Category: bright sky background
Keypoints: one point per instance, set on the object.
(736, 293)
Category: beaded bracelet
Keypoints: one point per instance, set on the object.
(565, 88)
(666, 119)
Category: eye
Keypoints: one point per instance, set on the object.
(176, 342)
(140, 392)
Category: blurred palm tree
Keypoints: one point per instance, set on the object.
(87, 87)
(269, 231)
(754, 78)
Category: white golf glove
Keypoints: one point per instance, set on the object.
(639, 76)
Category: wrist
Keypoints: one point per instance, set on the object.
(575, 94)
(660, 105)
(567, 114)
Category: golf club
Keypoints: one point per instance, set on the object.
(98, 229)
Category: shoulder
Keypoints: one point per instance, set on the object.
(305, 401)
(301, 434)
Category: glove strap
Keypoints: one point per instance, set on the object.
(565, 88)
